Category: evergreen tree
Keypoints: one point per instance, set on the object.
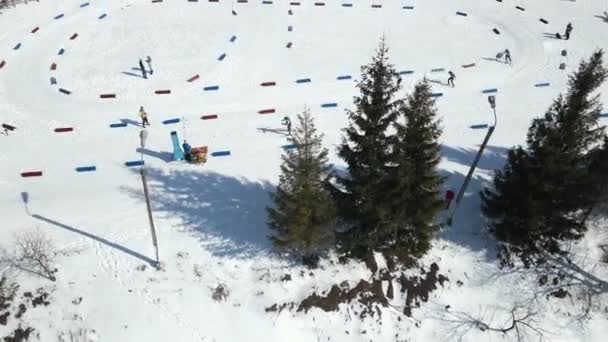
(415, 183)
(361, 195)
(598, 167)
(553, 175)
(303, 216)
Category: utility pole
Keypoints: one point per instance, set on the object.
(467, 180)
(143, 136)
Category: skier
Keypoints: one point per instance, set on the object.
(287, 122)
(143, 70)
(451, 78)
(144, 117)
(568, 30)
(507, 56)
(187, 151)
(149, 62)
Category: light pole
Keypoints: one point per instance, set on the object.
(467, 180)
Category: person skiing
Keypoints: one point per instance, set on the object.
(149, 62)
(568, 30)
(287, 122)
(507, 56)
(144, 117)
(451, 78)
(187, 151)
(143, 70)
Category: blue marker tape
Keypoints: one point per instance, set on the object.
(303, 80)
(220, 154)
(86, 169)
(329, 105)
(211, 88)
(171, 121)
(134, 163)
(343, 77)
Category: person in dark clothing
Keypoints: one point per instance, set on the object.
(451, 78)
(568, 30)
(143, 69)
(507, 56)
(287, 122)
(144, 117)
(187, 151)
(149, 62)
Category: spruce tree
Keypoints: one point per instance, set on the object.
(303, 216)
(598, 168)
(361, 195)
(553, 174)
(415, 183)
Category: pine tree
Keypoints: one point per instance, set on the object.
(598, 168)
(553, 174)
(303, 216)
(415, 188)
(361, 196)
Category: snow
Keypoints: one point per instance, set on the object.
(214, 216)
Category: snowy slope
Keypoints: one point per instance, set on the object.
(214, 216)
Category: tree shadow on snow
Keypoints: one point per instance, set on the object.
(227, 214)
(469, 227)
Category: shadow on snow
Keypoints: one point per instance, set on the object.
(469, 227)
(227, 214)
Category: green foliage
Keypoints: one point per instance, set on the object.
(598, 168)
(303, 216)
(361, 196)
(414, 182)
(543, 195)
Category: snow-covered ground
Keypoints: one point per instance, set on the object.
(211, 220)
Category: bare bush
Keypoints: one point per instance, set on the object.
(520, 321)
(34, 253)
